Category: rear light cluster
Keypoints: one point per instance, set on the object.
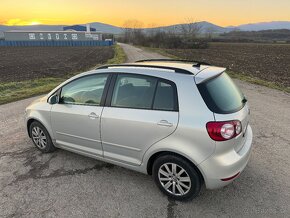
(222, 131)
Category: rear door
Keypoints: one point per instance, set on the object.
(227, 102)
(140, 110)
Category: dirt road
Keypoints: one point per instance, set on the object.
(64, 184)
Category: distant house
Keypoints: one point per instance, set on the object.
(78, 28)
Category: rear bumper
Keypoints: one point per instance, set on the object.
(226, 166)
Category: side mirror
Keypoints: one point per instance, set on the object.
(53, 99)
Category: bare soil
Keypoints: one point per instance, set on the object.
(270, 62)
(24, 63)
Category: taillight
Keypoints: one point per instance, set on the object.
(225, 130)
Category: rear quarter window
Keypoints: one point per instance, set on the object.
(165, 97)
(221, 94)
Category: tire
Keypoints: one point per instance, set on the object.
(41, 138)
(187, 184)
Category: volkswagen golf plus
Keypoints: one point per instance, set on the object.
(185, 123)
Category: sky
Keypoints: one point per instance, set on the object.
(149, 12)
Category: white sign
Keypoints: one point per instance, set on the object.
(74, 36)
(58, 36)
(31, 36)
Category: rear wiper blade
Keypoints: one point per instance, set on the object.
(244, 100)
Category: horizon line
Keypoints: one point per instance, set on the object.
(43, 24)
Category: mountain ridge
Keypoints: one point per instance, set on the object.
(205, 26)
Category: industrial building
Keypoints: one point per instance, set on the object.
(51, 36)
(68, 37)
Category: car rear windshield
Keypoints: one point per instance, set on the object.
(221, 95)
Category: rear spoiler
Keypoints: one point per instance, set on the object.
(208, 73)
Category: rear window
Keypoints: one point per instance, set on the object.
(221, 95)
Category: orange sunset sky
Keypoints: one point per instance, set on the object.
(157, 12)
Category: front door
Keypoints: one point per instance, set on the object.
(76, 118)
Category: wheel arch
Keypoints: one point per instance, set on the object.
(30, 121)
(158, 154)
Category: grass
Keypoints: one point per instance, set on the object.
(13, 91)
(236, 75)
(119, 57)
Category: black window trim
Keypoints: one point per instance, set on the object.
(103, 98)
(110, 92)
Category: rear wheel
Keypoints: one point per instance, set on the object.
(40, 137)
(176, 177)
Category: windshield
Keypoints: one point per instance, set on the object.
(221, 95)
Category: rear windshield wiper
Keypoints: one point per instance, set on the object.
(244, 101)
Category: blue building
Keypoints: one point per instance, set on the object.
(78, 28)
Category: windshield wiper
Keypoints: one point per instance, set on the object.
(244, 101)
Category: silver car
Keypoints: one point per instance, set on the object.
(185, 123)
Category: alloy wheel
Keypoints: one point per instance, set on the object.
(39, 137)
(174, 179)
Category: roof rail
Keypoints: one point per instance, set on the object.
(177, 70)
(196, 63)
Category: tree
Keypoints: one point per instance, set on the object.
(209, 33)
(152, 29)
(131, 30)
(190, 29)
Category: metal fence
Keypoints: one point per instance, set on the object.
(56, 43)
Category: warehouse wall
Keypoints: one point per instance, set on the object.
(52, 36)
(55, 43)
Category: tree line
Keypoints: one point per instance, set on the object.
(183, 37)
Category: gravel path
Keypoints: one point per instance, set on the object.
(64, 184)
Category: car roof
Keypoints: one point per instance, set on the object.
(201, 71)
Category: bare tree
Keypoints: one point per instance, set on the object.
(153, 29)
(131, 29)
(209, 32)
(190, 29)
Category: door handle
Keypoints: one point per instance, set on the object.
(93, 116)
(164, 123)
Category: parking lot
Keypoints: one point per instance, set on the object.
(64, 184)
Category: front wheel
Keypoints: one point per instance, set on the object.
(176, 177)
(41, 137)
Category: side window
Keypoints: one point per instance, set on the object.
(134, 91)
(165, 98)
(87, 90)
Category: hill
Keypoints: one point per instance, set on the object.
(258, 36)
(274, 25)
(204, 25)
